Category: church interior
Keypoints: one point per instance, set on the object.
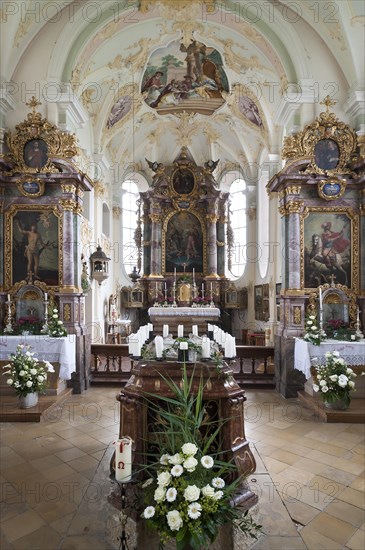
(188, 199)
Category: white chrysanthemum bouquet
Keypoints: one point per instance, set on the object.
(313, 333)
(56, 327)
(26, 373)
(189, 494)
(334, 380)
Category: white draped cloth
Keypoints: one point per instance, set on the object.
(353, 353)
(54, 350)
(184, 312)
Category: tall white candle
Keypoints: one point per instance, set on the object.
(45, 296)
(195, 330)
(193, 274)
(165, 287)
(165, 331)
(228, 346)
(211, 291)
(8, 297)
(156, 290)
(205, 348)
(175, 274)
(123, 459)
(234, 351)
(320, 297)
(159, 346)
(150, 327)
(202, 287)
(180, 331)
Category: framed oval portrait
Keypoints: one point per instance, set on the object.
(35, 153)
(326, 154)
(31, 187)
(183, 181)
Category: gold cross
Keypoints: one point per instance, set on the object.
(33, 103)
(328, 102)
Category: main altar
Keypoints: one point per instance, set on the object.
(185, 316)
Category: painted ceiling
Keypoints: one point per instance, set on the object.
(235, 75)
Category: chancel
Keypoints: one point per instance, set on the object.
(182, 217)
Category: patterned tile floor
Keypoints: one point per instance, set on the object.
(54, 477)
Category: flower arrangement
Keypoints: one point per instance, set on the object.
(313, 333)
(189, 493)
(56, 327)
(334, 380)
(29, 324)
(200, 301)
(26, 373)
(339, 330)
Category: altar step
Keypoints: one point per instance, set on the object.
(355, 414)
(10, 411)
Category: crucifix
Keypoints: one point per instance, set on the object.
(332, 277)
(328, 102)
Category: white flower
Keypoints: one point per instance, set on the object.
(159, 495)
(9, 381)
(189, 449)
(40, 378)
(171, 494)
(149, 512)
(194, 510)
(324, 389)
(174, 520)
(164, 459)
(315, 387)
(323, 383)
(55, 316)
(340, 361)
(163, 479)
(176, 459)
(351, 384)
(207, 461)
(333, 377)
(191, 493)
(328, 354)
(218, 482)
(218, 495)
(55, 310)
(177, 470)
(311, 317)
(335, 354)
(208, 491)
(33, 372)
(48, 366)
(21, 373)
(309, 322)
(313, 327)
(342, 381)
(190, 464)
(29, 384)
(319, 377)
(28, 354)
(349, 371)
(353, 337)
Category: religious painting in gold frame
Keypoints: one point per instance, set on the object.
(34, 245)
(329, 247)
(183, 181)
(183, 243)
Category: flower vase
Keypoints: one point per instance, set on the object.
(29, 400)
(338, 405)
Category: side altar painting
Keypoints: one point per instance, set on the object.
(34, 254)
(328, 239)
(184, 244)
(181, 77)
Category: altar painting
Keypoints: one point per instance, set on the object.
(328, 252)
(185, 78)
(184, 244)
(35, 246)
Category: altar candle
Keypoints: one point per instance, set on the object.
(45, 296)
(205, 348)
(211, 291)
(156, 290)
(159, 346)
(195, 330)
(180, 331)
(131, 344)
(165, 287)
(8, 297)
(320, 297)
(175, 274)
(150, 327)
(234, 351)
(123, 459)
(183, 345)
(193, 274)
(228, 346)
(165, 331)
(202, 287)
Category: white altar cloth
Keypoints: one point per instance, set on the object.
(352, 352)
(60, 350)
(184, 311)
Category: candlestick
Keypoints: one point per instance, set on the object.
(159, 346)
(180, 331)
(194, 329)
(45, 296)
(205, 348)
(165, 331)
(175, 274)
(193, 274)
(123, 459)
(320, 297)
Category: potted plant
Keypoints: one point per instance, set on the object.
(27, 375)
(333, 381)
(188, 494)
(28, 325)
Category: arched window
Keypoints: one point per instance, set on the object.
(237, 197)
(130, 196)
(263, 224)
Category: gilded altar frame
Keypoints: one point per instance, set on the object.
(329, 245)
(51, 219)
